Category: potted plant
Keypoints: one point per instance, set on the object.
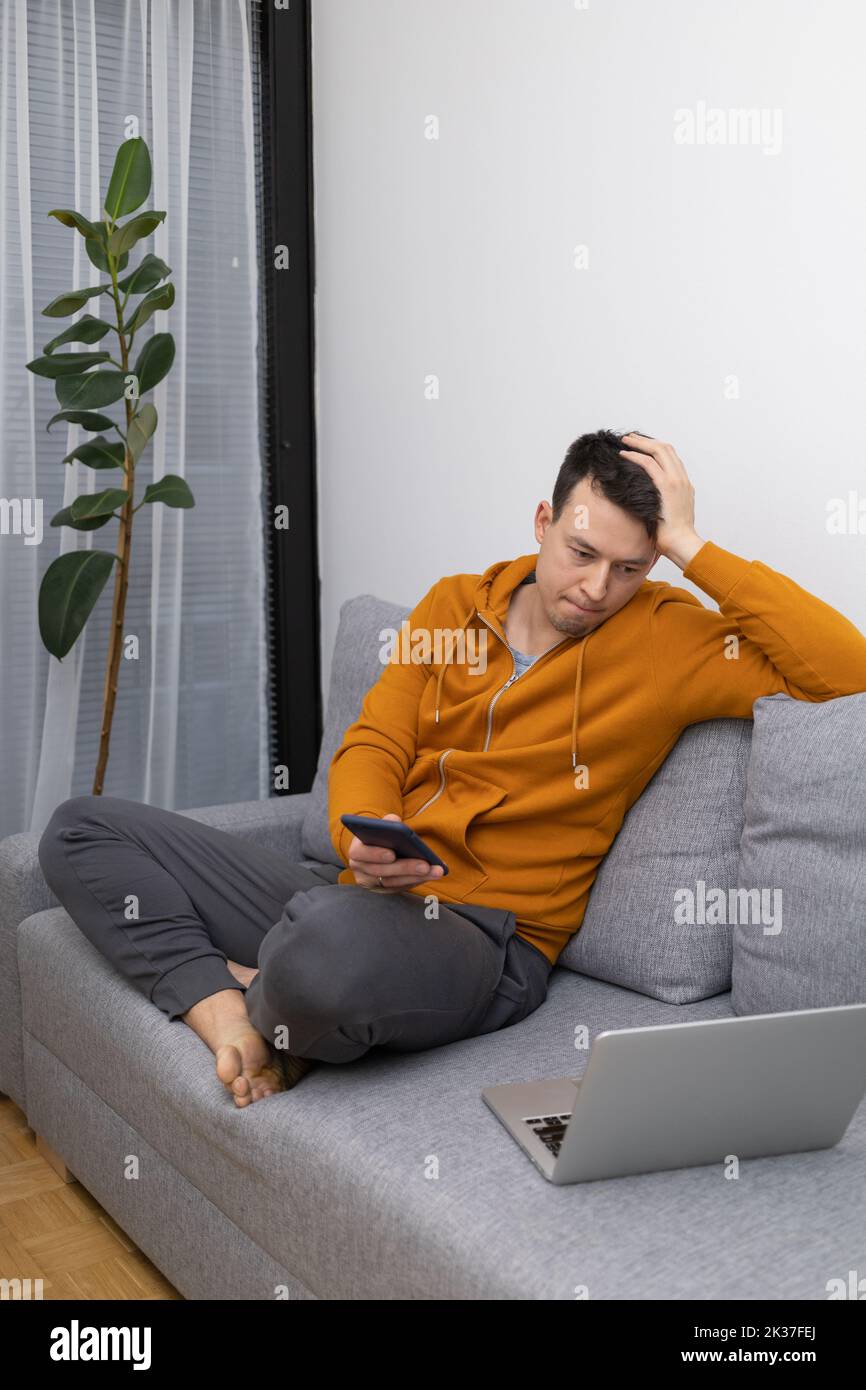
(86, 382)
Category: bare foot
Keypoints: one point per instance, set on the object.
(245, 1061)
(249, 1067)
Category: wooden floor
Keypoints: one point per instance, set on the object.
(52, 1229)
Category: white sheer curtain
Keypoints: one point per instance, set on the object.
(190, 723)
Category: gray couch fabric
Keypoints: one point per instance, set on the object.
(682, 832)
(354, 669)
(804, 850)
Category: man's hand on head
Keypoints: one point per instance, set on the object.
(369, 862)
(677, 538)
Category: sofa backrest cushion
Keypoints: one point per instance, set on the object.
(679, 841)
(355, 668)
(803, 944)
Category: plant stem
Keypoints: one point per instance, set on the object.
(121, 572)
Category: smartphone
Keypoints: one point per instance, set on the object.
(395, 835)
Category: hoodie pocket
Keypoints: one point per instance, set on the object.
(422, 784)
(442, 801)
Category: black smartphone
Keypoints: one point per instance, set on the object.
(395, 835)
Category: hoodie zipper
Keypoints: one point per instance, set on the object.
(441, 787)
(511, 679)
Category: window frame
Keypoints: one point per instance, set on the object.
(287, 357)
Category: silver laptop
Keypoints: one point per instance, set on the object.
(679, 1094)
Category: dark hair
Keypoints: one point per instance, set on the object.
(627, 484)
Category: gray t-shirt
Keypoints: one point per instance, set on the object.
(521, 661)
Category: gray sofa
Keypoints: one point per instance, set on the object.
(331, 1190)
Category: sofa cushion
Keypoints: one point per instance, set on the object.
(680, 837)
(802, 945)
(356, 667)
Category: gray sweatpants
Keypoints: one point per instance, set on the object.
(167, 900)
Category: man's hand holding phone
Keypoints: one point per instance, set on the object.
(370, 863)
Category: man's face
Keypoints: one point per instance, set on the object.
(593, 558)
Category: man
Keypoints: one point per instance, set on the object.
(516, 768)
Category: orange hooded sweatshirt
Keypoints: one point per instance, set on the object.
(521, 783)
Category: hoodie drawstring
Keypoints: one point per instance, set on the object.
(574, 718)
(470, 611)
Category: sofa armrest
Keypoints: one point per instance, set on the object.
(23, 890)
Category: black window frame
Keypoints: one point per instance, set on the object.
(283, 92)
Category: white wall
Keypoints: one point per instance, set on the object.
(707, 262)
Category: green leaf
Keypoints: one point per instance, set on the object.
(98, 503)
(161, 298)
(91, 389)
(171, 490)
(70, 218)
(99, 453)
(141, 427)
(66, 363)
(65, 518)
(130, 178)
(71, 301)
(87, 329)
(146, 275)
(70, 587)
(88, 418)
(154, 361)
(125, 237)
(97, 251)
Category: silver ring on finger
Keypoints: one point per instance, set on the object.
(381, 884)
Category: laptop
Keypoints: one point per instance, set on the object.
(676, 1095)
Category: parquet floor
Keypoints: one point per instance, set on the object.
(52, 1229)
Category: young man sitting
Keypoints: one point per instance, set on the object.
(517, 770)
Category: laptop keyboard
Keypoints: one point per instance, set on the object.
(550, 1129)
